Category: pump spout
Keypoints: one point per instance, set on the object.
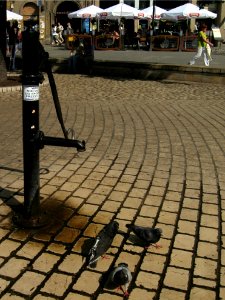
(62, 142)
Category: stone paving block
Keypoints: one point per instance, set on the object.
(149, 211)
(122, 186)
(28, 283)
(191, 203)
(117, 196)
(78, 221)
(167, 294)
(210, 209)
(93, 229)
(153, 200)
(208, 250)
(13, 267)
(189, 214)
(222, 293)
(204, 282)
(30, 249)
(57, 181)
(7, 247)
(147, 280)
(174, 196)
(43, 297)
(48, 189)
(184, 241)
(103, 190)
(182, 259)
(3, 284)
(45, 262)
(88, 209)
(56, 248)
(82, 193)
(205, 268)
(210, 198)
(57, 284)
(67, 235)
(9, 296)
(72, 263)
(141, 294)
(73, 202)
(153, 263)
(88, 282)
(73, 296)
(209, 221)
(167, 218)
(128, 178)
(157, 191)
(137, 193)
(186, 227)
(170, 206)
(96, 199)
(126, 214)
(173, 274)
(109, 181)
(61, 195)
(142, 184)
(202, 294)
(132, 202)
(103, 217)
(208, 234)
(111, 206)
(90, 183)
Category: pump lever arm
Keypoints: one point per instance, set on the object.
(56, 141)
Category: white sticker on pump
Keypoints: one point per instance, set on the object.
(30, 93)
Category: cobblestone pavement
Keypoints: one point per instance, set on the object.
(155, 157)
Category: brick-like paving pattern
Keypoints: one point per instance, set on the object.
(155, 157)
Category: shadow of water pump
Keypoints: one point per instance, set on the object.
(35, 61)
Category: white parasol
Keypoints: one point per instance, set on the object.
(183, 12)
(86, 12)
(120, 10)
(10, 15)
(206, 14)
(149, 11)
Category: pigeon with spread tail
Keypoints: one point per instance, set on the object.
(102, 242)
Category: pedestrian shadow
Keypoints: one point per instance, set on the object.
(9, 198)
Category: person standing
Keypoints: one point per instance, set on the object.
(203, 47)
(13, 41)
(60, 29)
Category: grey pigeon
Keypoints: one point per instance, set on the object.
(121, 277)
(102, 242)
(146, 234)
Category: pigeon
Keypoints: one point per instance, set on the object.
(120, 277)
(102, 242)
(146, 234)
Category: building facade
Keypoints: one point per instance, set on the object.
(46, 12)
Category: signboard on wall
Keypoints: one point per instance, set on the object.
(42, 27)
(217, 34)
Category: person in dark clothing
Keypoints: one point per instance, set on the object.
(13, 41)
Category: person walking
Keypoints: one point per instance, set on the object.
(13, 41)
(203, 47)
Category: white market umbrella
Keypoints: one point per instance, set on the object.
(86, 12)
(206, 14)
(183, 12)
(120, 10)
(10, 15)
(148, 12)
